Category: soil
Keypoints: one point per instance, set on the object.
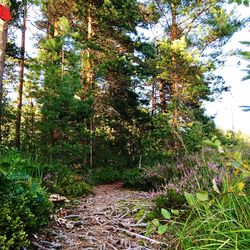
(104, 220)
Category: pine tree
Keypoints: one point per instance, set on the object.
(21, 78)
(192, 28)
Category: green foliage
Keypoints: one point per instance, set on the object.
(24, 204)
(106, 175)
(245, 2)
(221, 222)
(147, 178)
(214, 218)
(170, 200)
(56, 177)
(246, 56)
(136, 178)
(12, 232)
(70, 185)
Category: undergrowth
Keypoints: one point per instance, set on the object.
(24, 205)
(206, 205)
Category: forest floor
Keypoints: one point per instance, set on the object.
(104, 220)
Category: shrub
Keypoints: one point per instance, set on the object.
(24, 206)
(12, 232)
(148, 178)
(69, 185)
(136, 178)
(170, 200)
(213, 218)
(106, 175)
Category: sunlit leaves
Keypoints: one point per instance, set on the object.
(202, 196)
(190, 199)
(162, 229)
(165, 214)
(244, 2)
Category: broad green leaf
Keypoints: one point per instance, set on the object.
(190, 198)
(202, 196)
(214, 138)
(18, 176)
(162, 229)
(165, 214)
(175, 212)
(155, 222)
(217, 143)
(209, 143)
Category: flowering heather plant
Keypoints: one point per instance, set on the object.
(194, 174)
(47, 176)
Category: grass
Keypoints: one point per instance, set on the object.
(223, 225)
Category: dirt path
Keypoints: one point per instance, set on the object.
(101, 221)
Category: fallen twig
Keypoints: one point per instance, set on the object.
(38, 245)
(141, 237)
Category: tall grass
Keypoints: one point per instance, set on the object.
(222, 223)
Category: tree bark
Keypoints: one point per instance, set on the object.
(3, 42)
(153, 99)
(21, 80)
(87, 74)
(175, 84)
(162, 95)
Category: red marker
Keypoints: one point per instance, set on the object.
(5, 13)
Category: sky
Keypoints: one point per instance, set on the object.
(227, 110)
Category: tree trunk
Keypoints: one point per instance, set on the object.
(87, 74)
(162, 95)
(21, 80)
(3, 42)
(175, 84)
(153, 99)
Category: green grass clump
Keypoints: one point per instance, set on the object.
(223, 225)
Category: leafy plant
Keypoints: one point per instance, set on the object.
(217, 218)
(24, 205)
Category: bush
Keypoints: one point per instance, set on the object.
(24, 206)
(217, 214)
(71, 185)
(136, 178)
(56, 177)
(106, 175)
(12, 232)
(170, 200)
(148, 178)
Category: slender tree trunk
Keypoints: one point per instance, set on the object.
(3, 42)
(21, 80)
(153, 99)
(162, 95)
(175, 84)
(87, 73)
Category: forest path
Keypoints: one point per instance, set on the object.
(101, 221)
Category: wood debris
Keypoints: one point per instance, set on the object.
(103, 221)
